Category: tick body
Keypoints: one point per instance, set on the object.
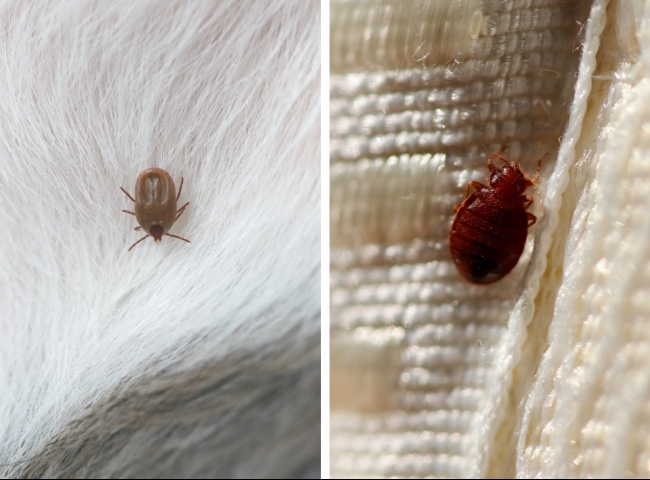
(491, 225)
(155, 204)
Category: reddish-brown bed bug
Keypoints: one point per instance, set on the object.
(491, 225)
(155, 204)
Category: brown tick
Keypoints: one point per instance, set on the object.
(489, 231)
(155, 204)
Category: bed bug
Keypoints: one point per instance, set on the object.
(155, 204)
(491, 225)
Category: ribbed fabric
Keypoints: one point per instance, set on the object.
(427, 370)
(586, 411)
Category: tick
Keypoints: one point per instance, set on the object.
(155, 204)
(491, 225)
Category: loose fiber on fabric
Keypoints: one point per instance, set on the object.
(174, 360)
(422, 362)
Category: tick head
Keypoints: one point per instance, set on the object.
(157, 232)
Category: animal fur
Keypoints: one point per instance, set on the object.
(172, 360)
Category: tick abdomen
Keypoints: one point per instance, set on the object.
(489, 233)
(155, 204)
(155, 199)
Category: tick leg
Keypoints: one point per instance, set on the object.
(180, 189)
(531, 219)
(137, 228)
(138, 242)
(181, 210)
(527, 199)
(126, 211)
(127, 194)
(180, 238)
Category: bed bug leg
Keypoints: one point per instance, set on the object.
(181, 210)
(146, 236)
(533, 181)
(539, 170)
(127, 194)
(527, 201)
(180, 238)
(180, 189)
(476, 185)
(531, 219)
(497, 156)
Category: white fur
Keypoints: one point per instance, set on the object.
(225, 94)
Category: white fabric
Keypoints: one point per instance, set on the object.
(586, 412)
(174, 360)
(543, 374)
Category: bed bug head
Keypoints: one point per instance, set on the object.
(511, 179)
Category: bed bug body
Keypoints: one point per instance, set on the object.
(155, 204)
(491, 225)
